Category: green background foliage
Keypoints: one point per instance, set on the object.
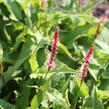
(26, 32)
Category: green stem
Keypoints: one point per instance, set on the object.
(46, 73)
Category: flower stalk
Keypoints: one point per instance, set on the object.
(103, 19)
(87, 59)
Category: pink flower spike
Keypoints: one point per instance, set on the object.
(84, 73)
(51, 65)
(54, 48)
(88, 57)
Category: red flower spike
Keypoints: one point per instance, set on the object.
(88, 56)
(84, 73)
(55, 43)
(87, 59)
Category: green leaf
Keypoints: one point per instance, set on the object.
(14, 8)
(56, 98)
(68, 62)
(102, 42)
(93, 102)
(94, 70)
(25, 53)
(4, 10)
(84, 91)
(58, 80)
(77, 89)
(23, 98)
(41, 94)
(71, 36)
(5, 105)
(34, 103)
(41, 56)
(103, 94)
(40, 72)
(18, 41)
(1, 52)
(63, 50)
(61, 67)
(104, 84)
(65, 86)
(33, 61)
(105, 73)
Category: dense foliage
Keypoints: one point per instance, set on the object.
(26, 32)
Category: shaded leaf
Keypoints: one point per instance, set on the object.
(6, 105)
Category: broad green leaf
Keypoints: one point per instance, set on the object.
(93, 102)
(105, 73)
(77, 90)
(63, 50)
(94, 70)
(41, 94)
(25, 53)
(104, 84)
(61, 67)
(102, 42)
(69, 37)
(34, 103)
(84, 91)
(40, 72)
(5, 105)
(18, 41)
(56, 98)
(68, 62)
(4, 10)
(23, 98)
(24, 4)
(41, 56)
(65, 86)
(57, 82)
(25, 33)
(14, 8)
(33, 61)
(100, 58)
(103, 94)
